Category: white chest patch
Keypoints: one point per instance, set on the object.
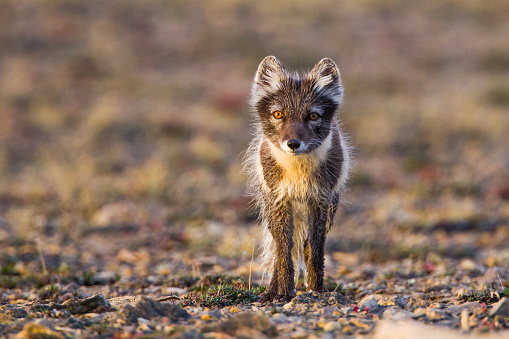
(299, 171)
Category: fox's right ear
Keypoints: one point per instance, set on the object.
(268, 77)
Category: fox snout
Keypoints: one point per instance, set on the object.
(293, 144)
(294, 138)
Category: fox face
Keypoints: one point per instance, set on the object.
(296, 114)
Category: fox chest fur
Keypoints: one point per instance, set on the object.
(314, 175)
(297, 164)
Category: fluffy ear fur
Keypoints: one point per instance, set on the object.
(328, 79)
(268, 77)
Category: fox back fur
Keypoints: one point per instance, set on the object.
(298, 164)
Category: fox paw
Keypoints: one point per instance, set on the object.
(283, 298)
(267, 296)
(274, 297)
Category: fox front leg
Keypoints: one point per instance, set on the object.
(282, 285)
(314, 251)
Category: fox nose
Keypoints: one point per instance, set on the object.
(293, 144)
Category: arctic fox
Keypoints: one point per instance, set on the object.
(298, 165)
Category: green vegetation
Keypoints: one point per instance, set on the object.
(220, 291)
(489, 296)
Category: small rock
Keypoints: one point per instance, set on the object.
(501, 308)
(95, 304)
(119, 213)
(148, 308)
(16, 312)
(329, 310)
(386, 302)
(280, 318)
(244, 325)
(71, 287)
(496, 274)
(370, 301)
(34, 330)
(6, 231)
(332, 326)
(387, 329)
(216, 314)
(206, 317)
(469, 265)
(143, 321)
(104, 278)
(347, 329)
(288, 306)
(299, 333)
(399, 288)
(143, 327)
(500, 321)
(431, 313)
(465, 323)
(395, 313)
(469, 306)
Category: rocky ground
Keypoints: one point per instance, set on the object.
(454, 299)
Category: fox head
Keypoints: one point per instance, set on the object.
(296, 114)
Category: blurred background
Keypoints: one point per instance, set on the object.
(123, 126)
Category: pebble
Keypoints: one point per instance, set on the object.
(465, 323)
(148, 308)
(359, 323)
(469, 306)
(501, 308)
(395, 313)
(370, 301)
(143, 327)
(244, 325)
(495, 274)
(469, 265)
(299, 333)
(143, 321)
(216, 314)
(35, 330)
(97, 303)
(347, 329)
(431, 313)
(288, 306)
(16, 312)
(332, 326)
(280, 318)
(329, 310)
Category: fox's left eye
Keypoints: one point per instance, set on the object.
(313, 116)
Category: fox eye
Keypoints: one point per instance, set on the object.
(277, 114)
(313, 116)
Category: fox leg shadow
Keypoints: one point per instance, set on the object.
(282, 284)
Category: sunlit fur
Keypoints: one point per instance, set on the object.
(304, 177)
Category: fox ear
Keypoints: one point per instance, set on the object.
(328, 79)
(268, 76)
